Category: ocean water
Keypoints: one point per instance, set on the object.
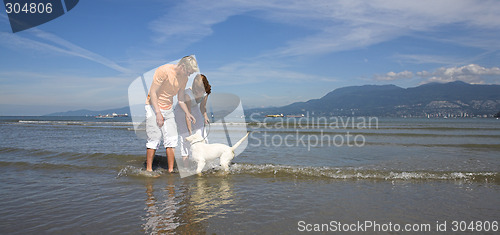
(81, 175)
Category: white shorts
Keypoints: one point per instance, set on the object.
(154, 133)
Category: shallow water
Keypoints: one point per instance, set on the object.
(86, 175)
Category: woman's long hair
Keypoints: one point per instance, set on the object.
(206, 84)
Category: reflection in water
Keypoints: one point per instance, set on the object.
(160, 214)
(185, 205)
(211, 196)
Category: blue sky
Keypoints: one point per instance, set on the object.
(270, 53)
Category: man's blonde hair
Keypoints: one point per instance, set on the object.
(190, 63)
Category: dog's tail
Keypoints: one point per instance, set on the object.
(239, 142)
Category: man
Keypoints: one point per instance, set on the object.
(169, 80)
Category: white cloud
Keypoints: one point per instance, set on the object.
(47, 42)
(339, 25)
(30, 88)
(428, 59)
(72, 49)
(240, 73)
(471, 73)
(190, 21)
(391, 76)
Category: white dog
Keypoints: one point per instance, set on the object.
(201, 151)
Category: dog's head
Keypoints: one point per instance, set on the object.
(194, 137)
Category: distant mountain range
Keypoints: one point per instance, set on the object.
(433, 99)
(86, 112)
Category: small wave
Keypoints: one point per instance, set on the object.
(495, 147)
(229, 123)
(53, 122)
(45, 159)
(360, 173)
(75, 123)
(139, 172)
(68, 155)
(50, 166)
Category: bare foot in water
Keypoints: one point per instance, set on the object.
(153, 174)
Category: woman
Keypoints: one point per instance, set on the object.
(196, 100)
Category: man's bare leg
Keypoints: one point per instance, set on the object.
(170, 159)
(150, 154)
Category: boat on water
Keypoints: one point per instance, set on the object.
(274, 115)
(288, 116)
(104, 116)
